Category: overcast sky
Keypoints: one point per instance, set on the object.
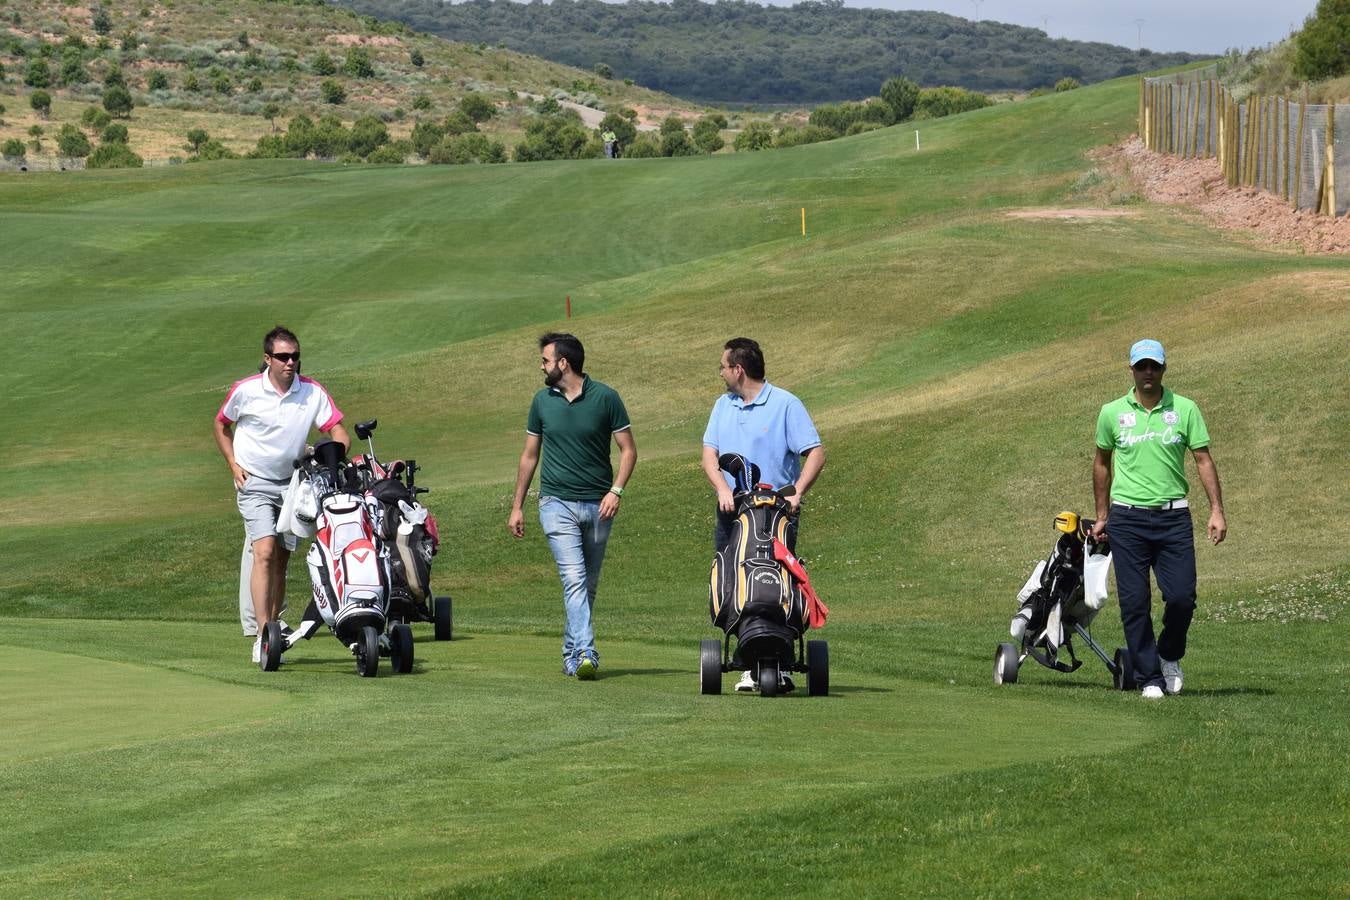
(1198, 26)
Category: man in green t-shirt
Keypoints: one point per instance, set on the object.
(572, 419)
(1139, 481)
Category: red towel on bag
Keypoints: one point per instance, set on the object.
(816, 612)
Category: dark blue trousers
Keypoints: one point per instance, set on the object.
(1161, 540)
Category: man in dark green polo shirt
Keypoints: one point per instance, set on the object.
(1139, 481)
(573, 419)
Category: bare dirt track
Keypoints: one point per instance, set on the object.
(1199, 184)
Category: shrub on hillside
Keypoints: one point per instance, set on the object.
(935, 103)
(333, 92)
(358, 63)
(557, 137)
(426, 135)
(1322, 47)
(416, 58)
(901, 95)
(213, 150)
(38, 74)
(329, 139)
(368, 134)
(72, 66)
(678, 143)
(196, 137)
(421, 103)
(755, 136)
(13, 149)
(707, 135)
(114, 133)
(477, 107)
(860, 127)
(672, 124)
(791, 136)
(41, 101)
(322, 64)
(114, 156)
(625, 132)
(463, 149)
(102, 21)
(70, 141)
(604, 71)
(643, 147)
(459, 123)
(394, 153)
(156, 80)
(1067, 84)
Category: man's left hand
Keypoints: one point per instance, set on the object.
(795, 502)
(1218, 527)
(609, 505)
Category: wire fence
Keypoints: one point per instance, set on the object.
(1273, 143)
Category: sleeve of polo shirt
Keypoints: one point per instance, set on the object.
(801, 431)
(710, 433)
(534, 423)
(618, 413)
(1106, 431)
(229, 410)
(1197, 435)
(327, 414)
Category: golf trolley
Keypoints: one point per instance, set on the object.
(370, 559)
(760, 594)
(1065, 592)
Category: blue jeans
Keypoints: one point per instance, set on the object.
(577, 537)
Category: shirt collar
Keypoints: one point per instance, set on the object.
(760, 399)
(1164, 403)
(585, 384)
(272, 388)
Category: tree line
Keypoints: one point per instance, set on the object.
(737, 51)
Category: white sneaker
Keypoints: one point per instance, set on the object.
(1152, 692)
(257, 651)
(747, 683)
(1172, 676)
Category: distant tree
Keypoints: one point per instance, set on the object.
(1322, 47)
(36, 132)
(416, 58)
(672, 124)
(421, 103)
(547, 106)
(629, 113)
(196, 137)
(1067, 84)
(72, 66)
(604, 71)
(270, 111)
(102, 21)
(559, 136)
(707, 135)
(329, 139)
(114, 156)
(333, 92)
(477, 107)
(755, 136)
(459, 123)
(129, 41)
(211, 150)
(191, 84)
(677, 143)
(645, 147)
(322, 64)
(934, 103)
(115, 133)
(299, 138)
(358, 63)
(38, 74)
(255, 85)
(156, 80)
(70, 141)
(114, 77)
(222, 84)
(117, 101)
(389, 154)
(41, 101)
(13, 149)
(901, 95)
(426, 135)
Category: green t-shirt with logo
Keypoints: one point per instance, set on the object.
(576, 436)
(1148, 447)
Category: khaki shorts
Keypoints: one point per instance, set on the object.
(260, 504)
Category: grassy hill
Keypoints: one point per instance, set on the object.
(954, 359)
(224, 61)
(809, 52)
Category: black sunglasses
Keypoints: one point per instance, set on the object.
(286, 357)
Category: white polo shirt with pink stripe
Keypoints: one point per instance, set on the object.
(271, 426)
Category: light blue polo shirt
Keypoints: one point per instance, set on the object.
(771, 431)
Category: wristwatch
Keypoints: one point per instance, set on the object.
(616, 490)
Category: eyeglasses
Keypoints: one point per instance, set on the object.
(286, 357)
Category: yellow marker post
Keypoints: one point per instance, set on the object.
(803, 221)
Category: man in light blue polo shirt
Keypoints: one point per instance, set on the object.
(770, 428)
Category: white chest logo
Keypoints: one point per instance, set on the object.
(1125, 420)
(1170, 417)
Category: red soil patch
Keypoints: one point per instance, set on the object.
(1199, 184)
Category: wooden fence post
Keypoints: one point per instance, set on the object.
(1195, 124)
(1298, 148)
(1330, 167)
(1211, 141)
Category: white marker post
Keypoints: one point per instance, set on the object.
(916, 141)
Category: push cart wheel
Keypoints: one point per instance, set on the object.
(368, 652)
(1123, 674)
(273, 642)
(1005, 664)
(443, 616)
(710, 667)
(401, 648)
(818, 668)
(768, 679)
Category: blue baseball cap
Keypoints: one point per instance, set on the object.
(1147, 349)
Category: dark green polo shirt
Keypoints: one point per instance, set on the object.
(576, 437)
(1148, 447)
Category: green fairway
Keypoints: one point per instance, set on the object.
(954, 359)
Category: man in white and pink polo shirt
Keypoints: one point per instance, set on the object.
(261, 430)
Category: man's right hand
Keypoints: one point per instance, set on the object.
(516, 524)
(725, 501)
(1099, 528)
(240, 476)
